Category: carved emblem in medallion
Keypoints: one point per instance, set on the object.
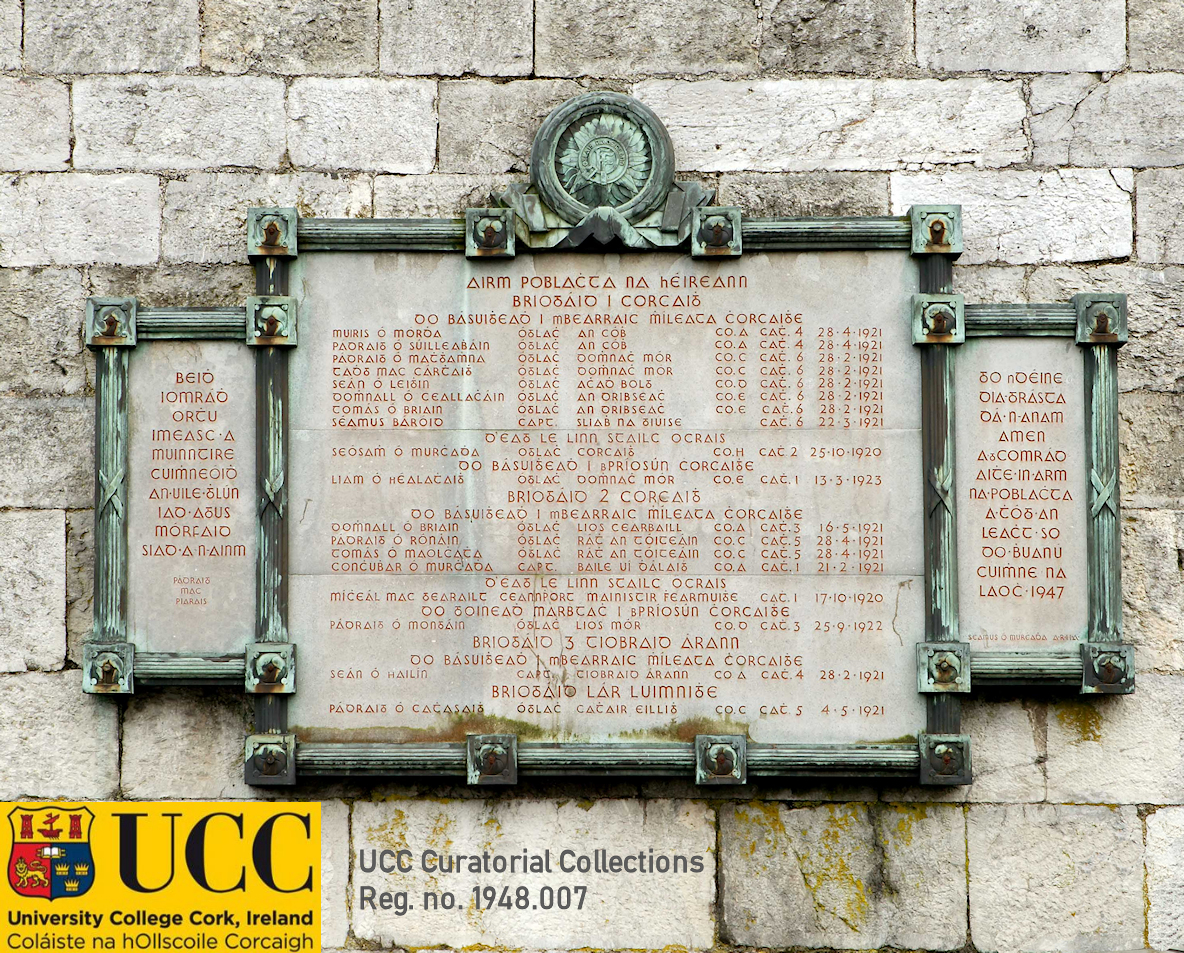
(602, 149)
(604, 160)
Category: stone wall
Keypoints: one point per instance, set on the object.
(134, 135)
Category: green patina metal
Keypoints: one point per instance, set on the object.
(602, 172)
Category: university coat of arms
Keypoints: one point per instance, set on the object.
(50, 851)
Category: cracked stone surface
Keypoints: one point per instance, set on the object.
(1027, 217)
(850, 876)
(1077, 120)
(10, 34)
(1009, 743)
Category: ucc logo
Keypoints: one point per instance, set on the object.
(50, 855)
(177, 846)
(215, 850)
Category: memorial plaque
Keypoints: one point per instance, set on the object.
(1022, 487)
(604, 478)
(191, 492)
(606, 496)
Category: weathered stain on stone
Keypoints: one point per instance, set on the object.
(1082, 717)
(829, 866)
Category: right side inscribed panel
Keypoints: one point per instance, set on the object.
(1021, 485)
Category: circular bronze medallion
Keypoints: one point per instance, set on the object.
(602, 149)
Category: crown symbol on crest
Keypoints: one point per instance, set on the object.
(71, 886)
(82, 869)
(61, 869)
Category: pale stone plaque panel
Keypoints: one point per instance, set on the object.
(606, 496)
(191, 497)
(1022, 500)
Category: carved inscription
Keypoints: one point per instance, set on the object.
(594, 496)
(1021, 492)
(191, 521)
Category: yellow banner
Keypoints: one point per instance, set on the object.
(161, 875)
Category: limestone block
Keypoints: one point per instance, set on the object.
(1135, 119)
(592, 38)
(177, 122)
(35, 134)
(290, 37)
(1119, 749)
(1009, 744)
(1160, 214)
(80, 580)
(32, 590)
(725, 126)
(1150, 440)
(205, 213)
(990, 284)
(767, 195)
(1153, 587)
(110, 36)
(622, 910)
(1155, 29)
(55, 466)
(850, 876)
(1024, 217)
(178, 285)
(187, 741)
(1165, 879)
(388, 125)
(487, 127)
(848, 36)
(335, 862)
(1058, 37)
(74, 218)
(1049, 877)
(436, 196)
(54, 740)
(10, 34)
(455, 37)
(1008, 741)
(1155, 353)
(41, 313)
